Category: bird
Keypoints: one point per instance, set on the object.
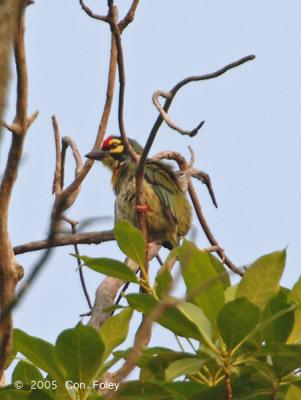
(168, 211)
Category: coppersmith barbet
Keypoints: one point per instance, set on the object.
(168, 212)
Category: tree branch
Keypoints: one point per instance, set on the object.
(9, 270)
(129, 16)
(91, 14)
(66, 240)
(166, 118)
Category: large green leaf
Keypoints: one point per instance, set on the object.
(131, 241)
(110, 267)
(196, 316)
(185, 366)
(261, 280)
(115, 330)
(279, 330)
(171, 317)
(295, 297)
(221, 271)
(80, 350)
(201, 279)
(236, 320)
(41, 353)
(26, 373)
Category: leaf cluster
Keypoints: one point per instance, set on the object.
(247, 334)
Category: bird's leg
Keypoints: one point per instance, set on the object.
(142, 208)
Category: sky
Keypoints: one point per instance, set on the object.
(250, 144)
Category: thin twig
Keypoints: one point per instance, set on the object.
(207, 230)
(91, 14)
(57, 185)
(121, 71)
(79, 262)
(66, 240)
(166, 118)
(129, 16)
(184, 166)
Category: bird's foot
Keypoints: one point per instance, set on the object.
(144, 209)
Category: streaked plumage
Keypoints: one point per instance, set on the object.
(169, 212)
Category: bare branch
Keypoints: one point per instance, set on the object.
(9, 270)
(66, 240)
(102, 126)
(184, 166)
(153, 133)
(121, 71)
(188, 171)
(129, 16)
(13, 128)
(91, 14)
(207, 230)
(166, 118)
(57, 186)
(169, 100)
(79, 261)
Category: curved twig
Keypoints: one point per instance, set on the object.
(91, 14)
(166, 118)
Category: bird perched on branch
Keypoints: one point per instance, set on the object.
(168, 212)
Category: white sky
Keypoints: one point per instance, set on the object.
(250, 144)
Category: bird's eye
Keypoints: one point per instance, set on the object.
(114, 145)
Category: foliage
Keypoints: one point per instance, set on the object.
(248, 331)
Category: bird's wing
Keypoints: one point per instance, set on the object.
(165, 184)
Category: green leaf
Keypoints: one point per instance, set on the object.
(236, 320)
(261, 280)
(136, 390)
(171, 318)
(295, 297)
(182, 390)
(230, 293)
(80, 350)
(131, 241)
(221, 271)
(153, 366)
(201, 279)
(164, 281)
(115, 330)
(186, 366)
(38, 394)
(9, 393)
(110, 267)
(26, 373)
(196, 315)
(286, 358)
(41, 353)
(279, 330)
(293, 393)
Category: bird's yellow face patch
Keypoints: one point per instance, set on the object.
(113, 145)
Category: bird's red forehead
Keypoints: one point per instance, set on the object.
(106, 143)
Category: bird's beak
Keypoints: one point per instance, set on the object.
(97, 155)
